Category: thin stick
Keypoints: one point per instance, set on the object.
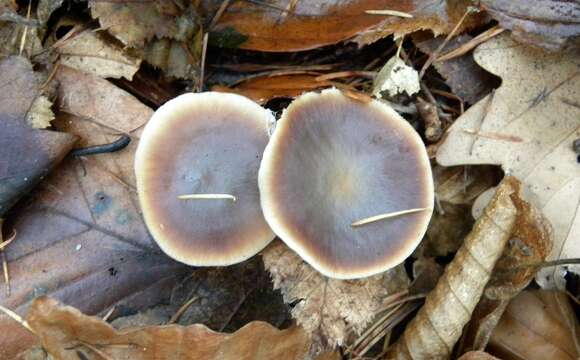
(203, 56)
(16, 318)
(471, 44)
(434, 55)
(389, 13)
(7, 242)
(23, 41)
(218, 14)
(182, 309)
(207, 197)
(386, 216)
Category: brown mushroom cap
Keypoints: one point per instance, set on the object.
(206, 143)
(332, 161)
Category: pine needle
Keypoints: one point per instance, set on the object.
(376, 218)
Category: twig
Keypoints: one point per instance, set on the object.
(236, 309)
(6, 242)
(25, 33)
(344, 74)
(471, 44)
(375, 218)
(182, 309)
(435, 54)
(203, 56)
(218, 14)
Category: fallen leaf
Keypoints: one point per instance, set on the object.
(395, 78)
(64, 332)
(530, 242)
(312, 24)
(81, 237)
(537, 325)
(166, 34)
(262, 89)
(40, 113)
(467, 79)
(87, 50)
(46, 8)
(529, 104)
(27, 154)
(328, 308)
(437, 326)
(135, 23)
(177, 59)
(551, 24)
(461, 185)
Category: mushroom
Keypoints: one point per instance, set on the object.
(346, 184)
(197, 178)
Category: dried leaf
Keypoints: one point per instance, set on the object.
(166, 33)
(27, 154)
(134, 23)
(537, 325)
(262, 89)
(467, 79)
(395, 78)
(88, 51)
(531, 105)
(312, 24)
(64, 331)
(551, 24)
(530, 242)
(438, 325)
(461, 185)
(326, 308)
(177, 59)
(82, 239)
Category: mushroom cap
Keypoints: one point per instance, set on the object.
(332, 161)
(205, 143)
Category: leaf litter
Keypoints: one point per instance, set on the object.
(171, 47)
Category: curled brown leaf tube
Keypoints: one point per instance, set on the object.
(438, 325)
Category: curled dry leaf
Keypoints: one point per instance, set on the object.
(87, 50)
(65, 332)
(326, 308)
(433, 332)
(551, 24)
(264, 88)
(530, 242)
(315, 23)
(82, 239)
(537, 325)
(529, 129)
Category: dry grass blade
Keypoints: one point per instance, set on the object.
(472, 44)
(439, 324)
(389, 13)
(380, 217)
(16, 318)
